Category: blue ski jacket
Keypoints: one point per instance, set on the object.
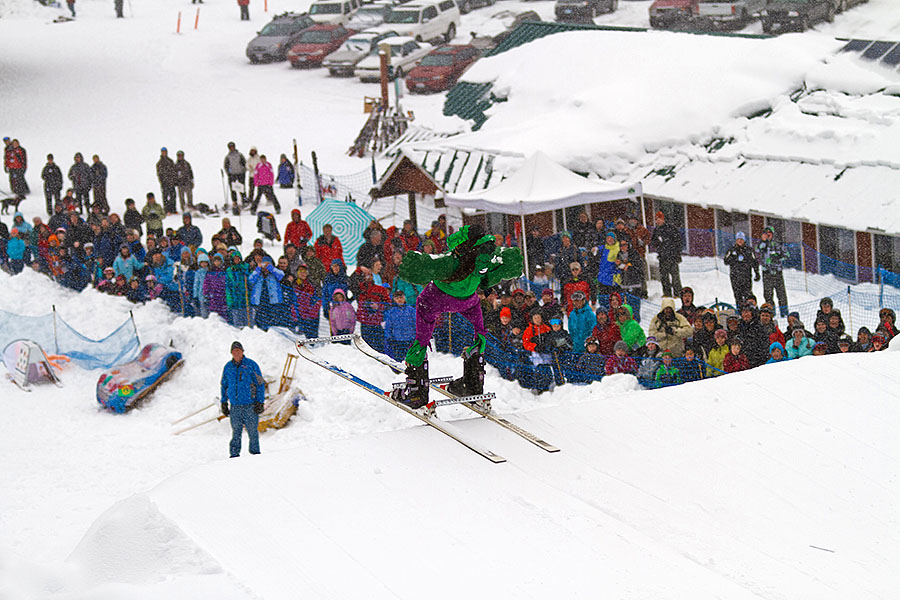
(242, 383)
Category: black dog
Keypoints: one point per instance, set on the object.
(7, 202)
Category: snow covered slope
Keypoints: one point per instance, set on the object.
(779, 483)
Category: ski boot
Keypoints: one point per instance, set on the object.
(472, 381)
(415, 393)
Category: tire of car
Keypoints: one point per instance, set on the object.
(841, 6)
(766, 27)
(829, 15)
(419, 38)
(745, 19)
(804, 23)
(398, 74)
(464, 8)
(451, 32)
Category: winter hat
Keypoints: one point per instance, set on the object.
(236, 345)
(339, 291)
(826, 300)
(879, 336)
(593, 340)
(775, 345)
(797, 330)
(794, 314)
(110, 269)
(620, 345)
(660, 215)
(575, 264)
(666, 352)
(600, 311)
(611, 233)
(740, 236)
(202, 257)
(505, 312)
(518, 291)
(547, 292)
(579, 295)
(651, 339)
(14, 231)
(163, 149)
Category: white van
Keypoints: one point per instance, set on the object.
(425, 21)
(336, 12)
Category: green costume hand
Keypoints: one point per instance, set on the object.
(421, 268)
(510, 267)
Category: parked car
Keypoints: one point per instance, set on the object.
(405, 53)
(467, 6)
(671, 14)
(441, 68)
(797, 15)
(716, 14)
(335, 12)
(425, 21)
(368, 16)
(842, 5)
(274, 39)
(498, 27)
(342, 62)
(582, 11)
(317, 42)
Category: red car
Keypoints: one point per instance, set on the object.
(440, 68)
(317, 42)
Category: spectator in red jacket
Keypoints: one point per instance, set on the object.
(736, 360)
(606, 333)
(328, 246)
(297, 231)
(575, 284)
(245, 9)
(620, 362)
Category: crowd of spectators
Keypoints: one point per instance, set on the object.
(576, 319)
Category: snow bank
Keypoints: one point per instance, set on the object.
(738, 487)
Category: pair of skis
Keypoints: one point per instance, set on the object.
(427, 417)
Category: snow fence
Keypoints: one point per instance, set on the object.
(58, 337)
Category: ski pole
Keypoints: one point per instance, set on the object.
(201, 423)
(196, 412)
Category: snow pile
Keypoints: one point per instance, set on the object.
(740, 487)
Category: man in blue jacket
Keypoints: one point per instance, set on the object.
(242, 385)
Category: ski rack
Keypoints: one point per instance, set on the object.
(326, 340)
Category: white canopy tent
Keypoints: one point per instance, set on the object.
(539, 185)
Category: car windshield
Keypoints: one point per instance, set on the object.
(278, 29)
(325, 9)
(357, 45)
(402, 16)
(371, 11)
(437, 60)
(314, 37)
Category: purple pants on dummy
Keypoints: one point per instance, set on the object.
(433, 302)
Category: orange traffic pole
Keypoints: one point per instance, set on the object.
(178, 26)
(197, 18)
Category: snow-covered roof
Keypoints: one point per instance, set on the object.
(788, 126)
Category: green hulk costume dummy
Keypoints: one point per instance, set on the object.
(452, 278)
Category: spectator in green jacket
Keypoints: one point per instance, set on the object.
(631, 331)
(153, 215)
(236, 292)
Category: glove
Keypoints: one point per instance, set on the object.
(225, 411)
(756, 277)
(258, 407)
